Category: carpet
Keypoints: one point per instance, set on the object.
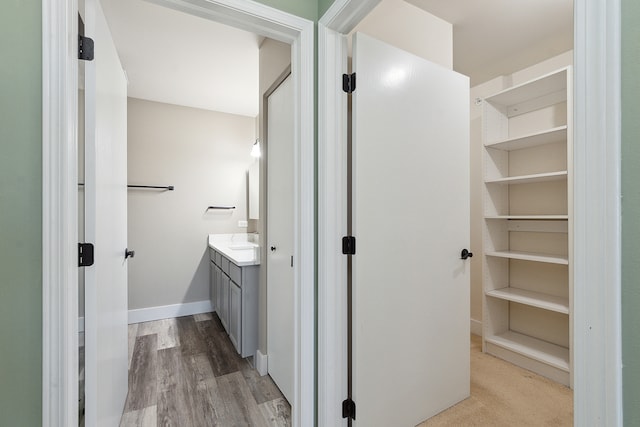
(503, 394)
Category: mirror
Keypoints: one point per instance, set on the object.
(254, 190)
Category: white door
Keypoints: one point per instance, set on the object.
(410, 221)
(105, 226)
(280, 301)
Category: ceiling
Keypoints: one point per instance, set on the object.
(176, 58)
(496, 37)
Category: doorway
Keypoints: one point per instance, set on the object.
(522, 331)
(288, 29)
(188, 153)
(337, 22)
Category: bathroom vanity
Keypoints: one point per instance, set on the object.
(234, 271)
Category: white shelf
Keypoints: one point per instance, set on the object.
(529, 217)
(525, 140)
(534, 299)
(545, 85)
(530, 256)
(549, 136)
(542, 351)
(529, 179)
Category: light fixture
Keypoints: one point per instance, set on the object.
(255, 150)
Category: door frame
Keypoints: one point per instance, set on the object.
(596, 194)
(59, 193)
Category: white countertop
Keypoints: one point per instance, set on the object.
(238, 248)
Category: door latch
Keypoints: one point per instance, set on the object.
(465, 254)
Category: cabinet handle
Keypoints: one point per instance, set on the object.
(273, 248)
(465, 254)
(129, 253)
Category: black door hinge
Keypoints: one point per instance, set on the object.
(349, 409)
(349, 245)
(349, 82)
(85, 48)
(85, 254)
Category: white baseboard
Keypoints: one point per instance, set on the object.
(476, 327)
(169, 311)
(261, 363)
(162, 312)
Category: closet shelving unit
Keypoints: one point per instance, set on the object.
(527, 137)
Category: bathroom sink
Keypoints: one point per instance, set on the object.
(241, 246)
(243, 252)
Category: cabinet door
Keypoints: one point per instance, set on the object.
(235, 315)
(212, 283)
(218, 286)
(224, 301)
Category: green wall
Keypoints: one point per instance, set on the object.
(323, 5)
(20, 213)
(304, 8)
(631, 210)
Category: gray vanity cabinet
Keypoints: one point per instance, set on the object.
(234, 295)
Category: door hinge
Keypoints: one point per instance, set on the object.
(85, 48)
(349, 82)
(85, 254)
(349, 409)
(349, 245)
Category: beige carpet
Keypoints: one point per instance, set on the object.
(503, 394)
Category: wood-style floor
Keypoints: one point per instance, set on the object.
(185, 372)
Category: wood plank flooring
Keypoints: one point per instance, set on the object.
(185, 372)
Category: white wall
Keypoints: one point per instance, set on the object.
(410, 28)
(481, 91)
(205, 155)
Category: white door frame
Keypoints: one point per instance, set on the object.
(597, 321)
(60, 236)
